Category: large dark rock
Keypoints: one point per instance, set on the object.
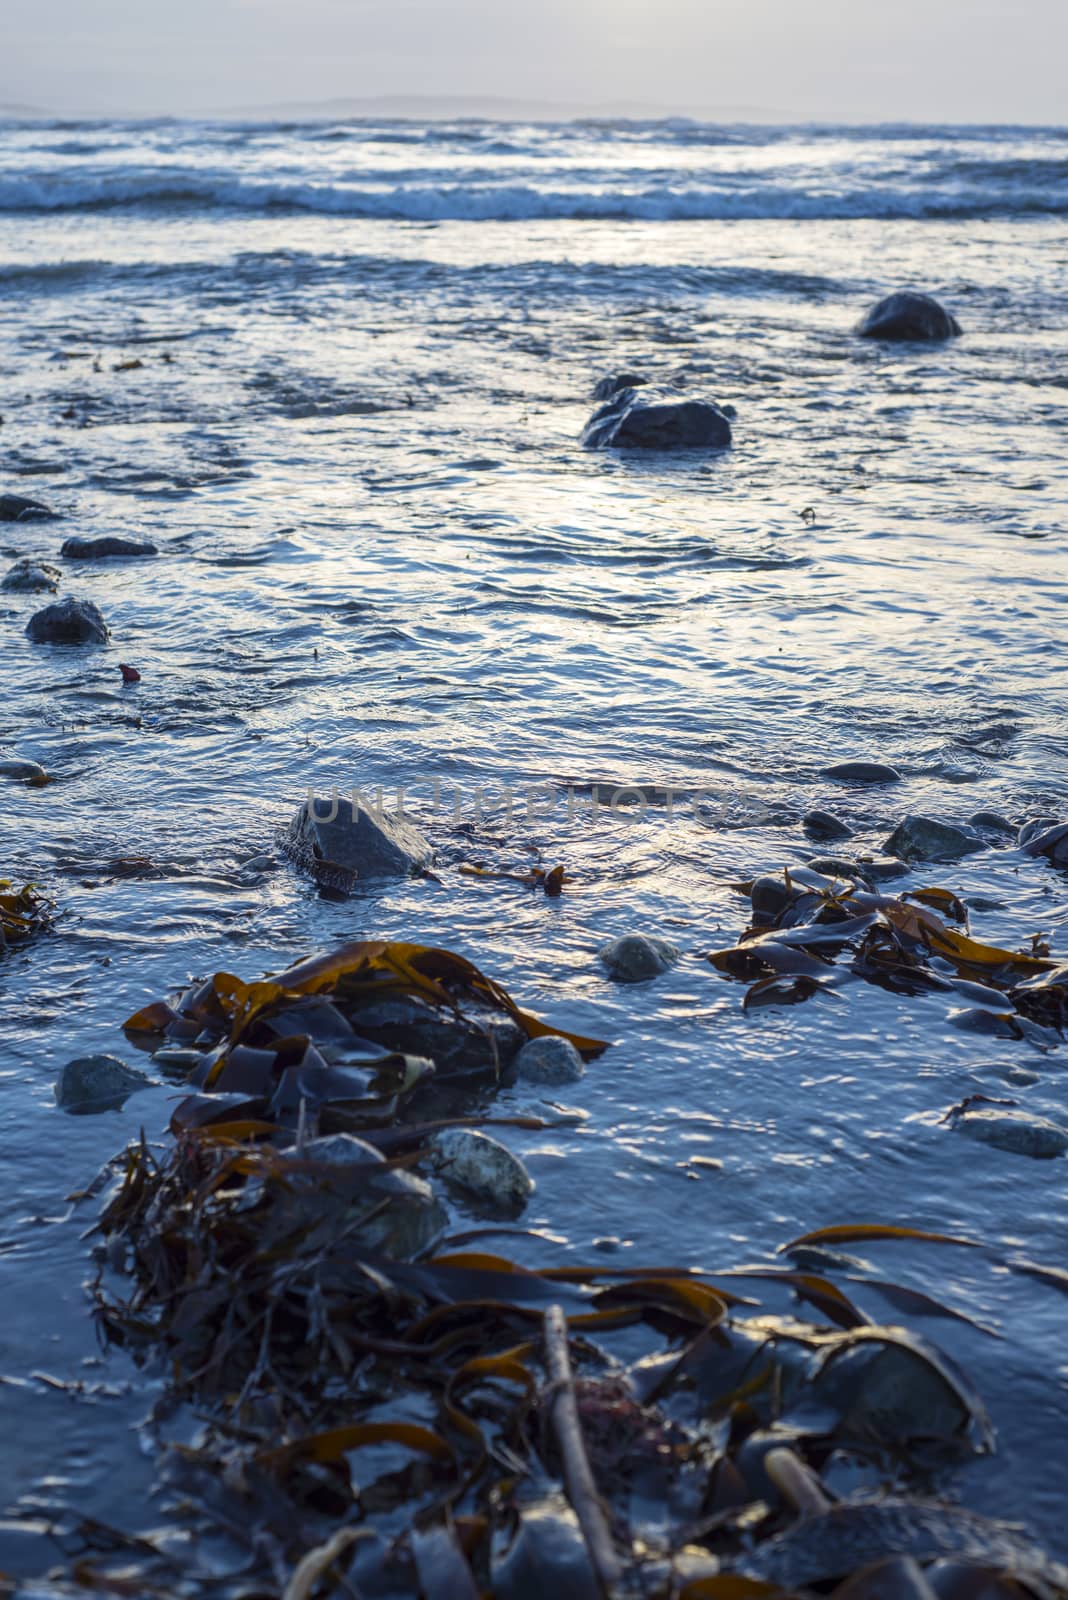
(355, 838)
(909, 316)
(68, 622)
(108, 544)
(862, 772)
(14, 508)
(28, 576)
(640, 421)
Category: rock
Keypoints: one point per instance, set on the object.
(406, 1217)
(68, 622)
(1033, 828)
(637, 956)
(835, 867)
(31, 577)
(919, 838)
(13, 508)
(483, 1166)
(822, 825)
(478, 1042)
(909, 316)
(549, 1060)
(365, 842)
(862, 772)
(769, 898)
(1018, 1132)
(881, 869)
(609, 387)
(1051, 843)
(108, 545)
(991, 820)
(13, 766)
(631, 421)
(98, 1083)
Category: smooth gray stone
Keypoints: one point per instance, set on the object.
(885, 868)
(483, 1166)
(366, 842)
(15, 508)
(549, 1060)
(98, 1083)
(405, 1217)
(637, 956)
(68, 622)
(992, 820)
(633, 421)
(908, 316)
(1033, 827)
(13, 766)
(862, 772)
(28, 576)
(1016, 1131)
(918, 838)
(110, 544)
(824, 825)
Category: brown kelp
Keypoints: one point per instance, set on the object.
(384, 1412)
(24, 913)
(809, 934)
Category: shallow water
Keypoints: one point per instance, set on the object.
(386, 561)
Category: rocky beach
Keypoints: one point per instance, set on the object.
(534, 778)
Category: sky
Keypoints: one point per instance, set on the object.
(825, 60)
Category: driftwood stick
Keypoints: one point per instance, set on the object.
(578, 1478)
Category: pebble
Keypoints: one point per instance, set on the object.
(16, 508)
(483, 1166)
(12, 766)
(862, 772)
(637, 956)
(549, 1060)
(98, 1083)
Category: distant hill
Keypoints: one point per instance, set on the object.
(493, 108)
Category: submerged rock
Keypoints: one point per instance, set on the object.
(483, 1166)
(862, 772)
(881, 869)
(98, 1083)
(15, 508)
(108, 545)
(824, 825)
(611, 386)
(1033, 827)
(13, 766)
(1049, 842)
(68, 622)
(919, 838)
(909, 316)
(1018, 1132)
(993, 821)
(637, 956)
(31, 577)
(471, 1041)
(631, 421)
(362, 841)
(549, 1060)
(405, 1216)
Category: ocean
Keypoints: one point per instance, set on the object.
(338, 374)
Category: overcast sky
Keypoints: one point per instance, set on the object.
(967, 60)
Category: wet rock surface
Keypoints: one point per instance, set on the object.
(650, 420)
(78, 549)
(15, 766)
(1049, 842)
(637, 956)
(1018, 1132)
(909, 317)
(98, 1083)
(16, 508)
(483, 1166)
(609, 387)
(68, 622)
(919, 838)
(550, 1061)
(29, 576)
(825, 825)
(359, 841)
(862, 772)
